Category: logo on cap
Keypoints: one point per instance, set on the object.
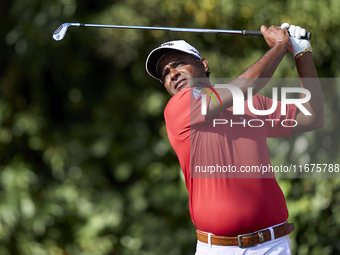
(195, 51)
(167, 44)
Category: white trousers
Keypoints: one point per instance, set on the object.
(279, 246)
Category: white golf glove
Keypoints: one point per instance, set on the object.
(297, 45)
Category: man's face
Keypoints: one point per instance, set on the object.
(176, 70)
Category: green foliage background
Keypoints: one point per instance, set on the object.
(85, 163)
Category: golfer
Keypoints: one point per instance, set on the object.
(234, 215)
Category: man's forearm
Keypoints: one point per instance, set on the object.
(309, 80)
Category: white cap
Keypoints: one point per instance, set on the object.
(158, 53)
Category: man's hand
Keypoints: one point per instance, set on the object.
(297, 45)
(275, 34)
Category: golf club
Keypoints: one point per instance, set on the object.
(59, 34)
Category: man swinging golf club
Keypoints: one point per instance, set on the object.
(234, 215)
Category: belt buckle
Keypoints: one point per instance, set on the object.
(239, 239)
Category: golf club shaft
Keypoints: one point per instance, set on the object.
(173, 29)
(60, 32)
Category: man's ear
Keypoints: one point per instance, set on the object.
(204, 65)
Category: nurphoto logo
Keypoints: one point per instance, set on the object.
(238, 99)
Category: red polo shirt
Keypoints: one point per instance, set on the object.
(228, 204)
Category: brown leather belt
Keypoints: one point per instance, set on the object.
(247, 240)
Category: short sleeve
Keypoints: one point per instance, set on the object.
(182, 112)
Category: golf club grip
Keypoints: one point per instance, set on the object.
(308, 35)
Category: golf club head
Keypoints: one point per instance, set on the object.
(59, 34)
